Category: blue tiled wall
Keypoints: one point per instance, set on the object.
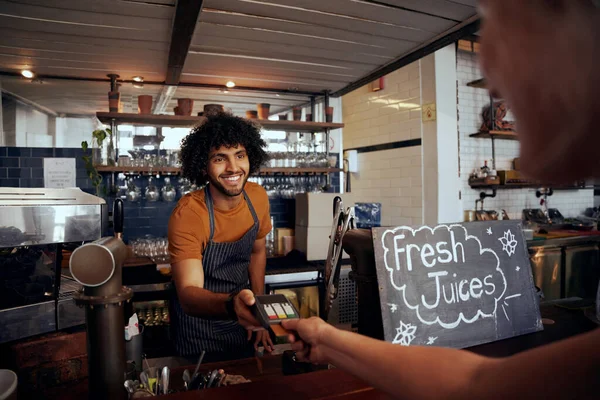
(23, 167)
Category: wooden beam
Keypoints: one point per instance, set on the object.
(187, 13)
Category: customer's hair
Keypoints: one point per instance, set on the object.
(222, 129)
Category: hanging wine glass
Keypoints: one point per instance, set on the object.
(133, 193)
(168, 191)
(151, 193)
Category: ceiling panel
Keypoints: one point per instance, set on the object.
(229, 18)
(337, 19)
(291, 39)
(441, 8)
(108, 7)
(372, 11)
(304, 45)
(85, 38)
(278, 50)
(349, 38)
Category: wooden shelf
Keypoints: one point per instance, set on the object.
(291, 171)
(173, 170)
(528, 186)
(142, 170)
(506, 135)
(191, 121)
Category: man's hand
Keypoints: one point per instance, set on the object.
(311, 332)
(241, 304)
(263, 337)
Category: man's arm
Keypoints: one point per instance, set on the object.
(258, 263)
(566, 369)
(199, 302)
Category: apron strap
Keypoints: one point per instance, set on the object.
(211, 213)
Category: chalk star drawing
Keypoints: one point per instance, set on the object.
(405, 334)
(518, 268)
(431, 339)
(489, 231)
(393, 307)
(509, 244)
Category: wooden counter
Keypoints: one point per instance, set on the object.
(268, 381)
(326, 384)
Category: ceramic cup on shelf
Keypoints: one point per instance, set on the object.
(177, 111)
(251, 114)
(114, 101)
(145, 104)
(297, 113)
(283, 117)
(263, 110)
(329, 114)
(309, 117)
(185, 106)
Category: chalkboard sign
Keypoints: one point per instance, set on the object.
(455, 285)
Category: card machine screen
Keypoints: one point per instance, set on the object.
(274, 308)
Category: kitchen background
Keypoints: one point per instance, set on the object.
(474, 152)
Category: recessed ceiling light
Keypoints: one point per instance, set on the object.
(230, 84)
(138, 78)
(276, 94)
(138, 85)
(27, 73)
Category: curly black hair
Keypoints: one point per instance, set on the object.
(221, 129)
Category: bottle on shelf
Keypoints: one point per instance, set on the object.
(485, 170)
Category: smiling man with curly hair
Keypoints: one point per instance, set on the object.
(217, 241)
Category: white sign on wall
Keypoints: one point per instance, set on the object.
(59, 172)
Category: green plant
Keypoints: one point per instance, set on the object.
(90, 169)
(89, 159)
(99, 135)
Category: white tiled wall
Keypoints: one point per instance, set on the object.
(473, 153)
(390, 177)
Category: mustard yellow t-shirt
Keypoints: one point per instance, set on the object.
(189, 225)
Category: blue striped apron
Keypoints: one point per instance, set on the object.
(225, 271)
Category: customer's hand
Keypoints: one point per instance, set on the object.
(308, 346)
(262, 337)
(241, 304)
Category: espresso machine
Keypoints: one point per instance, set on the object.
(35, 225)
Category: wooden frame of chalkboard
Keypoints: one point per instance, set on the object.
(455, 285)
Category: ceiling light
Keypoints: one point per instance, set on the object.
(276, 94)
(223, 90)
(27, 73)
(138, 85)
(230, 84)
(138, 78)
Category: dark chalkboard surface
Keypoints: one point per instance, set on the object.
(455, 285)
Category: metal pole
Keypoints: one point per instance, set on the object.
(326, 102)
(492, 126)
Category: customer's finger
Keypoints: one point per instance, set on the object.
(247, 297)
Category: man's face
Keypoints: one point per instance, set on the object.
(228, 169)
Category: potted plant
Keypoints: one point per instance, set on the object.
(103, 152)
(90, 169)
